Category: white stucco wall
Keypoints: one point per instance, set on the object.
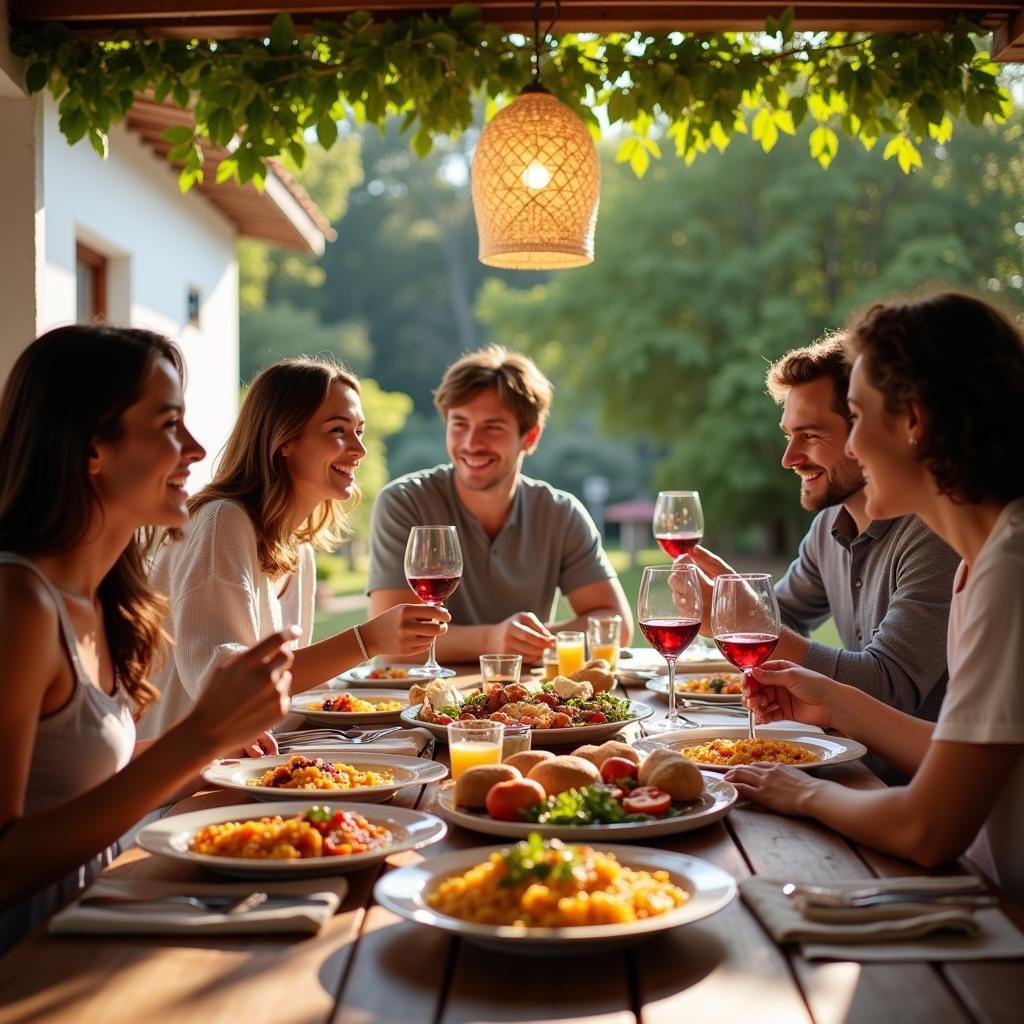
(159, 243)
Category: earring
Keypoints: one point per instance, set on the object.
(912, 441)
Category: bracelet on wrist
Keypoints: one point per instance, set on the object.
(362, 646)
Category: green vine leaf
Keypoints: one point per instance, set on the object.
(433, 71)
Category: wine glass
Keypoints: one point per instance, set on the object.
(745, 622)
(668, 610)
(678, 522)
(433, 567)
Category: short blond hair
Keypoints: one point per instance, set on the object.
(825, 358)
(520, 385)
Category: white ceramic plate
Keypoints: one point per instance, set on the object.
(363, 675)
(543, 738)
(659, 685)
(404, 892)
(646, 663)
(830, 749)
(235, 773)
(308, 703)
(170, 836)
(715, 802)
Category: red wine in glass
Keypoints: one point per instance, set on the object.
(676, 544)
(670, 637)
(746, 650)
(434, 590)
(668, 609)
(745, 622)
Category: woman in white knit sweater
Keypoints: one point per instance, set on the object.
(243, 566)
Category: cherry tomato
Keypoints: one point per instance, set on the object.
(647, 800)
(598, 717)
(616, 768)
(505, 799)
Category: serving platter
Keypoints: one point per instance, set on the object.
(404, 892)
(639, 663)
(307, 704)
(369, 675)
(236, 773)
(542, 738)
(830, 749)
(715, 803)
(170, 836)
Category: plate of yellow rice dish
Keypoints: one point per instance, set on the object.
(289, 840)
(350, 707)
(543, 896)
(723, 747)
(342, 772)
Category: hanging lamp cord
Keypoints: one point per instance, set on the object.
(538, 36)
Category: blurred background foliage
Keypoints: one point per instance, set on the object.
(658, 350)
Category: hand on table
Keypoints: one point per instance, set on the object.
(404, 629)
(776, 786)
(522, 633)
(783, 690)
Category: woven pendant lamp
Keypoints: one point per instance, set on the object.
(536, 183)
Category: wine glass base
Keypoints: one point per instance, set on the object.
(664, 725)
(431, 672)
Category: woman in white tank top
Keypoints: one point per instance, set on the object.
(93, 448)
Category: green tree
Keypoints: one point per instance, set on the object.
(706, 274)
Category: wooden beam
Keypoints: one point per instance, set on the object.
(224, 19)
(1008, 40)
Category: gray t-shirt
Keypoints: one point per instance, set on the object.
(548, 543)
(888, 591)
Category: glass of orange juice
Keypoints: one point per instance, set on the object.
(570, 647)
(473, 742)
(603, 633)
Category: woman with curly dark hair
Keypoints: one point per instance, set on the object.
(936, 391)
(93, 450)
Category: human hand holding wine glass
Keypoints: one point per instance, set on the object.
(433, 567)
(745, 623)
(678, 522)
(668, 609)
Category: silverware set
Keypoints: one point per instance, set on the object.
(231, 906)
(287, 741)
(954, 892)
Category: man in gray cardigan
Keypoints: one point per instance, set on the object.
(887, 584)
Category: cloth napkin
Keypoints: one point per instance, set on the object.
(888, 932)
(298, 919)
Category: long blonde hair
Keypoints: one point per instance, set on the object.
(279, 403)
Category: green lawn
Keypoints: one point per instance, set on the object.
(352, 582)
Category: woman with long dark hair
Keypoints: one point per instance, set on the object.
(283, 487)
(936, 391)
(93, 449)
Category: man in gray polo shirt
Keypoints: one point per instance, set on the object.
(522, 540)
(887, 584)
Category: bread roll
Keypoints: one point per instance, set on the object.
(526, 759)
(566, 771)
(598, 673)
(615, 748)
(676, 775)
(588, 752)
(473, 784)
(651, 761)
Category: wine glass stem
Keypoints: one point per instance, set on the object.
(431, 661)
(673, 714)
(750, 711)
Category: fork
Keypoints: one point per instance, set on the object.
(229, 905)
(289, 741)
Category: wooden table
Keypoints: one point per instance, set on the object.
(368, 966)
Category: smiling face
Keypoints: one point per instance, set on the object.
(322, 460)
(484, 442)
(140, 477)
(894, 481)
(816, 448)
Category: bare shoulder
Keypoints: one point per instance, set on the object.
(27, 609)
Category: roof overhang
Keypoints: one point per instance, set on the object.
(282, 214)
(232, 18)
